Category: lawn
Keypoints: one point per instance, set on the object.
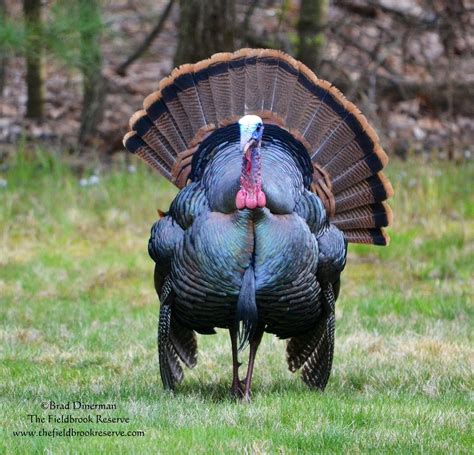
(79, 313)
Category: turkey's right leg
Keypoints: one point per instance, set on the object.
(237, 388)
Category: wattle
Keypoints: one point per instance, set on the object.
(243, 199)
(240, 199)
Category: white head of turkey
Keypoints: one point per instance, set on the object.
(277, 171)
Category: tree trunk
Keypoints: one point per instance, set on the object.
(3, 56)
(91, 67)
(34, 81)
(311, 24)
(205, 27)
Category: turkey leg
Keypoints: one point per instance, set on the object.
(254, 344)
(237, 388)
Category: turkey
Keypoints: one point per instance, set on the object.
(277, 172)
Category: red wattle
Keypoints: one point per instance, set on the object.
(261, 199)
(240, 199)
(251, 201)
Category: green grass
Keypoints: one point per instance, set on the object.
(78, 322)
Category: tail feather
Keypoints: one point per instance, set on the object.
(335, 138)
(196, 99)
(174, 366)
(368, 216)
(339, 153)
(374, 236)
(136, 145)
(374, 189)
(221, 86)
(356, 148)
(158, 113)
(325, 124)
(237, 75)
(169, 92)
(201, 76)
(303, 104)
(328, 114)
(318, 90)
(267, 69)
(145, 128)
(286, 82)
(253, 97)
(189, 96)
(361, 170)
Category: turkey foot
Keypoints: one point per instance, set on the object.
(238, 389)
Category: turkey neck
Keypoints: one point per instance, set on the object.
(251, 176)
(250, 194)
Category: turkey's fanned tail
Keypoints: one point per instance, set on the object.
(197, 99)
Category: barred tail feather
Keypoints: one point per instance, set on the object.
(368, 216)
(136, 145)
(221, 87)
(374, 189)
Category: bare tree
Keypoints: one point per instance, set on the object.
(205, 27)
(91, 66)
(311, 25)
(3, 57)
(392, 28)
(34, 81)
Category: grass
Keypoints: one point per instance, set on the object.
(78, 322)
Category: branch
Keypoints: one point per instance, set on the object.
(248, 17)
(370, 8)
(122, 69)
(433, 94)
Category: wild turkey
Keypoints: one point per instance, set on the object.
(277, 171)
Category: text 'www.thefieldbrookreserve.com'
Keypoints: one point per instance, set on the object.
(71, 432)
(72, 413)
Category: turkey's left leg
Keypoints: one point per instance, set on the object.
(254, 344)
